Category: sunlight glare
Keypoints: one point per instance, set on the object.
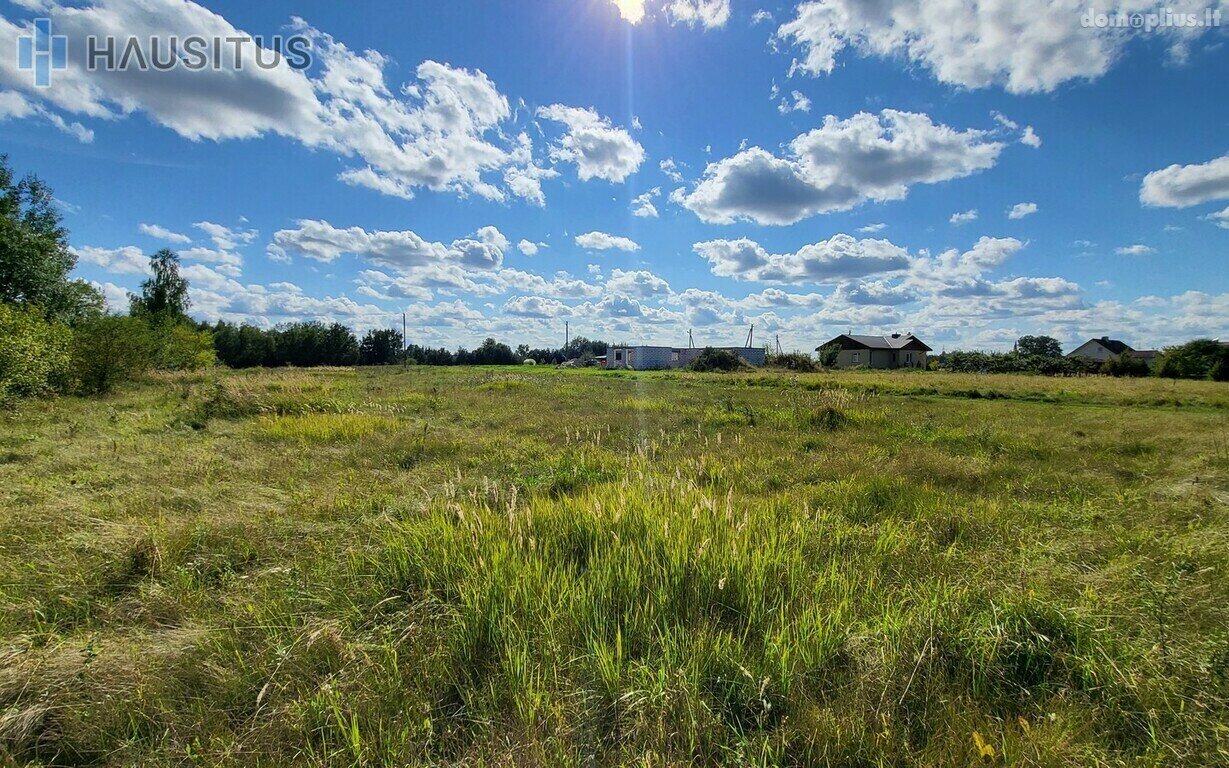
(632, 11)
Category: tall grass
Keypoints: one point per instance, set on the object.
(563, 568)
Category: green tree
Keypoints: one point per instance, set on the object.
(380, 347)
(1199, 359)
(182, 347)
(109, 350)
(164, 297)
(1041, 346)
(35, 260)
(34, 353)
(828, 356)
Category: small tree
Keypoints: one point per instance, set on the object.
(182, 347)
(109, 350)
(828, 356)
(1040, 346)
(164, 297)
(34, 353)
(380, 347)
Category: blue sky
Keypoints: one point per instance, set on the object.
(499, 168)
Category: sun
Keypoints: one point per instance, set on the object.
(632, 11)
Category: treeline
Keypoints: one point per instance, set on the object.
(1199, 359)
(313, 344)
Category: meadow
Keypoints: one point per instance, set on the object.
(530, 566)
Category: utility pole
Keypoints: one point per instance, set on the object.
(691, 342)
(778, 345)
(567, 337)
(751, 337)
(405, 344)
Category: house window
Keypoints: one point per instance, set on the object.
(908, 358)
(857, 357)
(618, 357)
(674, 356)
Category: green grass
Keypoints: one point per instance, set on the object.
(545, 567)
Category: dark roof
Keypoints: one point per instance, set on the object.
(1114, 345)
(895, 341)
(1144, 354)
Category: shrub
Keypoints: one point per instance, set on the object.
(181, 347)
(34, 353)
(793, 361)
(716, 360)
(1195, 360)
(1126, 366)
(109, 350)
(828, 356)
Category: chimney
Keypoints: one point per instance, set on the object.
(896, 335)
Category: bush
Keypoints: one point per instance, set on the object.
(181, 347)
(110, 350)
(1126, 366)
(828, 356)
(716, 360)
(793, 361)
(1199, 359)
(34, 353)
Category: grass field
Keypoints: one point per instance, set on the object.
(543, 567)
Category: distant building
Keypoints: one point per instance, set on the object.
(895, 351)
(660, 358)
(1105, 349)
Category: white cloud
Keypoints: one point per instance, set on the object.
(709, 14)
(1220, 219)
(671, 169)
(14, 106)
(536, 307)
(964, 218)
(1135, 250)
(1181, 186)
(471, 264)
(444, 130)
(837, 167)
(115, 297)
(598, 149)
(761, 16)
(871, 229)
(1030, 137)
(642, 205)
(795, 102)
(162, 233)
(840, 257)
(601, 241)
(529, 248)
(128, 260)
(961, 273)
(224, 237)
(1020, 210)
(1025, 47)
(640, 284)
